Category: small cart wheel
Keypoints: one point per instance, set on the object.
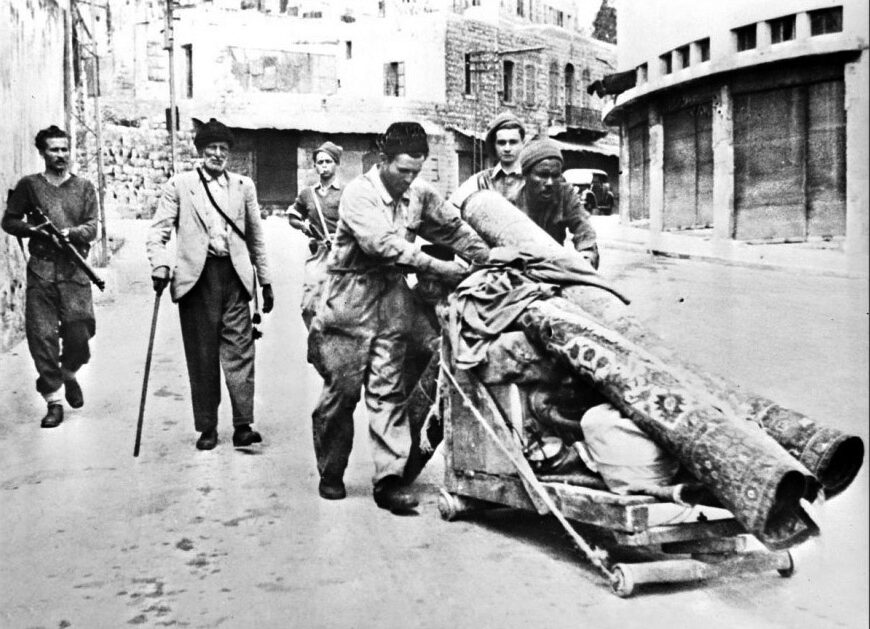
(621, 582)
(785, 573)
(448, 506)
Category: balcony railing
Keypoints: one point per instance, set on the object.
(586, 118)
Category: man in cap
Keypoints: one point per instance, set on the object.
(219, 244)
(359, 336)
(59, 308)
(315, 214)
(551, 202)
(504, 141)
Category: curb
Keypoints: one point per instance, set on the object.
(700, 257)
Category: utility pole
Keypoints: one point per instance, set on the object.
(98, 129)
(169, 45)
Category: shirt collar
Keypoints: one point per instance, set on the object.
(375, 177)
(222, 180)
(515, 169)
(332, 184)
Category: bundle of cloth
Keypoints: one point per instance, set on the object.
(756, 457)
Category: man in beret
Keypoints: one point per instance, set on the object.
(551, 202)
(315, 214)
(359, 336)
(59, 309)
(504, 141)
(216, 267)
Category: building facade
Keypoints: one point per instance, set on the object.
(286, 76)
(748, 118)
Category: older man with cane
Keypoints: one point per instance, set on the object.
(220, 255)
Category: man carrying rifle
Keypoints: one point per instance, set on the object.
(59, 309)
(315, 214)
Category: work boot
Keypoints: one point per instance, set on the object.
(53, 417)
(244, 436)
(390, 493)
(208, 439)
(74, 395)
(331, 489)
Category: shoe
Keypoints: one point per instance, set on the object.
(74, 393)
(331, 490)
(208, 439)
(391, 494)
(244, 436)
(53, 417)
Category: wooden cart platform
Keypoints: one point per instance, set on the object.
(705, 542)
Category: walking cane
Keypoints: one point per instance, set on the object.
(147, 371)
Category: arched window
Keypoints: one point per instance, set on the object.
(507, 93)
(555, 85)
(569, 88)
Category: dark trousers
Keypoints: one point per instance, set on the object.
(217, 333)
(58, 322)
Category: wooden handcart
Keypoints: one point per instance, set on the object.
(485, 468)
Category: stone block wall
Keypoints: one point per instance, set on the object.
(136, 162)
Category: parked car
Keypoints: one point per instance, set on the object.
(592, 186)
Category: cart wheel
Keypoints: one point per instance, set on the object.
(448, 506)
(621, 582)
(787, 572)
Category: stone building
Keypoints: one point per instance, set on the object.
(288, 75)
(33, 43)
(750, 118)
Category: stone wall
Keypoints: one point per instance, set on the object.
(136, 162)
(31, 46)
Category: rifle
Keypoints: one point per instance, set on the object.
(63, 244)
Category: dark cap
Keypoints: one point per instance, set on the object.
(333, 150)
(404, 137)
(537, 151)
(212, 131)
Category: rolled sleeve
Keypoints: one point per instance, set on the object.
(577, 220)
(86, 231)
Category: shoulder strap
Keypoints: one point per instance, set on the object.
(235, 227)
(326, 234)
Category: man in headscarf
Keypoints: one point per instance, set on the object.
(359, 336)
(315, 214)
(551, 202)
(504, 141)
(214, 279)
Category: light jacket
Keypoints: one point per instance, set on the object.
(182, 206)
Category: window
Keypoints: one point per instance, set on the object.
(530, 84)
(555, 84)
(642, 73)
(569, 86)
(560, 18)
(188, 70)
(781, 29)
(507, 94)
(394, 78)
(348, 50)
(745, 37)
(469, 74)
(683, 57)
(666, 63)
(521, 8)
(703, 49)
(826, 21)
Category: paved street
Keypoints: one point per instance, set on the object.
(91, 537)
